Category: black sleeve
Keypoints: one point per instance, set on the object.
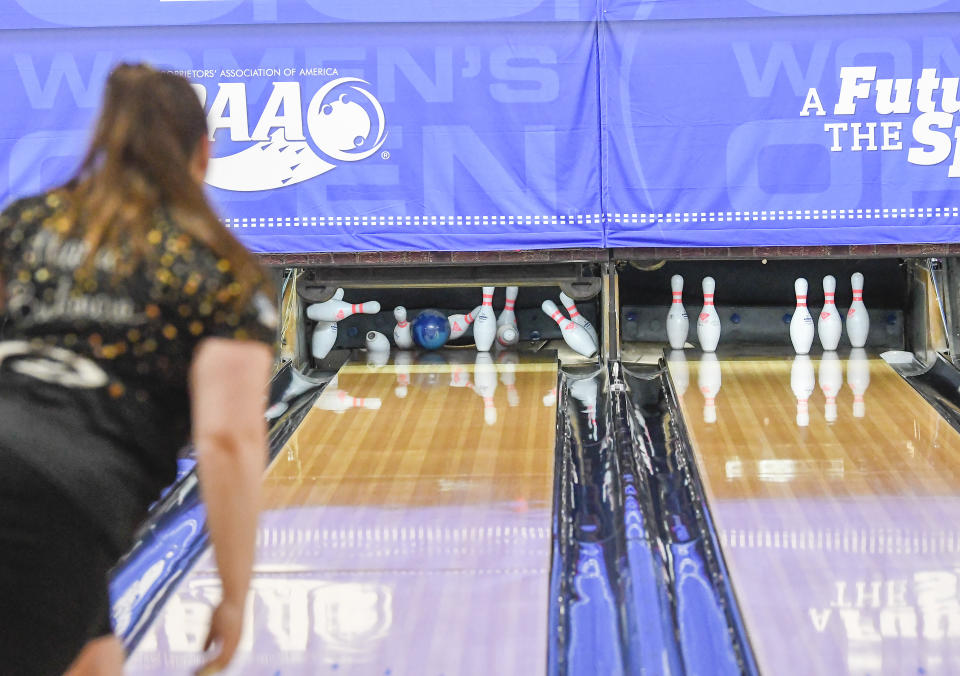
(234, 309)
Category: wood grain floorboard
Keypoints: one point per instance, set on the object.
(411, 538)
(842, 537)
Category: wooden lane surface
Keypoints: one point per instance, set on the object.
(413, 538)
(841, 538)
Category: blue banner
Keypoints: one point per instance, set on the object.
(794, 131)
(453, 137)
(619, 10)
(517, 124)
(16, 14)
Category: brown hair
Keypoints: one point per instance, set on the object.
(139, 163)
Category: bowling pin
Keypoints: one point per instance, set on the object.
(801, 326)
(858, 321)
(507, 365)
(377, 342)
(324, 336)
(339, 401)
(550, 398)
(402, 336)
(485, 322)
(829, 326)
(831, 381)
(378, 358)
(802, 382)
(679, 371)
(507, 335)
(708, 323)
(577, 317)
(334, 310)
(460, 324)
(402, 362)
(585, 391)
(573, 334)
(709, 382)
(678, 324)
(858, 378)
(508, 316)
(485, 385)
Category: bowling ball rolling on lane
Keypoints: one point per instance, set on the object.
(430, 329)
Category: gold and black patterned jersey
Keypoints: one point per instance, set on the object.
(108, 337)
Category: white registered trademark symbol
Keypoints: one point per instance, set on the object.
(385, 154)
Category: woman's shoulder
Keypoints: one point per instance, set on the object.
(33, 209)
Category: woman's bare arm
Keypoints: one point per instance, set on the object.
(228, 381)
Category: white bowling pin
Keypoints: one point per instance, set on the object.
(573, 334)
(831, 382)
(708, 323)
(709, 382)
(402, 336)
(485, 323)
(402, 362)
(679, 371)
(339, 401)
(829, 326)
(378, 358)
(585, 391)
(509, 316)
(338, 294)
(858, 378)
(507, 365)
(460, 324)
(802, 382)
(334, 310)
(485, 385)
(577, 317)
(801, 326)
(858, 321)
(678, 324)
(324, 336)
(377, 342)
(550, 398)
(507, 335)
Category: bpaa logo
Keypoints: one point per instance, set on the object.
(345, 122)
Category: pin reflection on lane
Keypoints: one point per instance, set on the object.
(584, 390)
(709, 381)
(858, 378)
(679, 371)
(831, 381)
(802, 384)
(805, 374)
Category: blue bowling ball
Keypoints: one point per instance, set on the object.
(430, 329)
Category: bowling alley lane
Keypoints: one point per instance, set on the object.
(840, 533)
(406, 530)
